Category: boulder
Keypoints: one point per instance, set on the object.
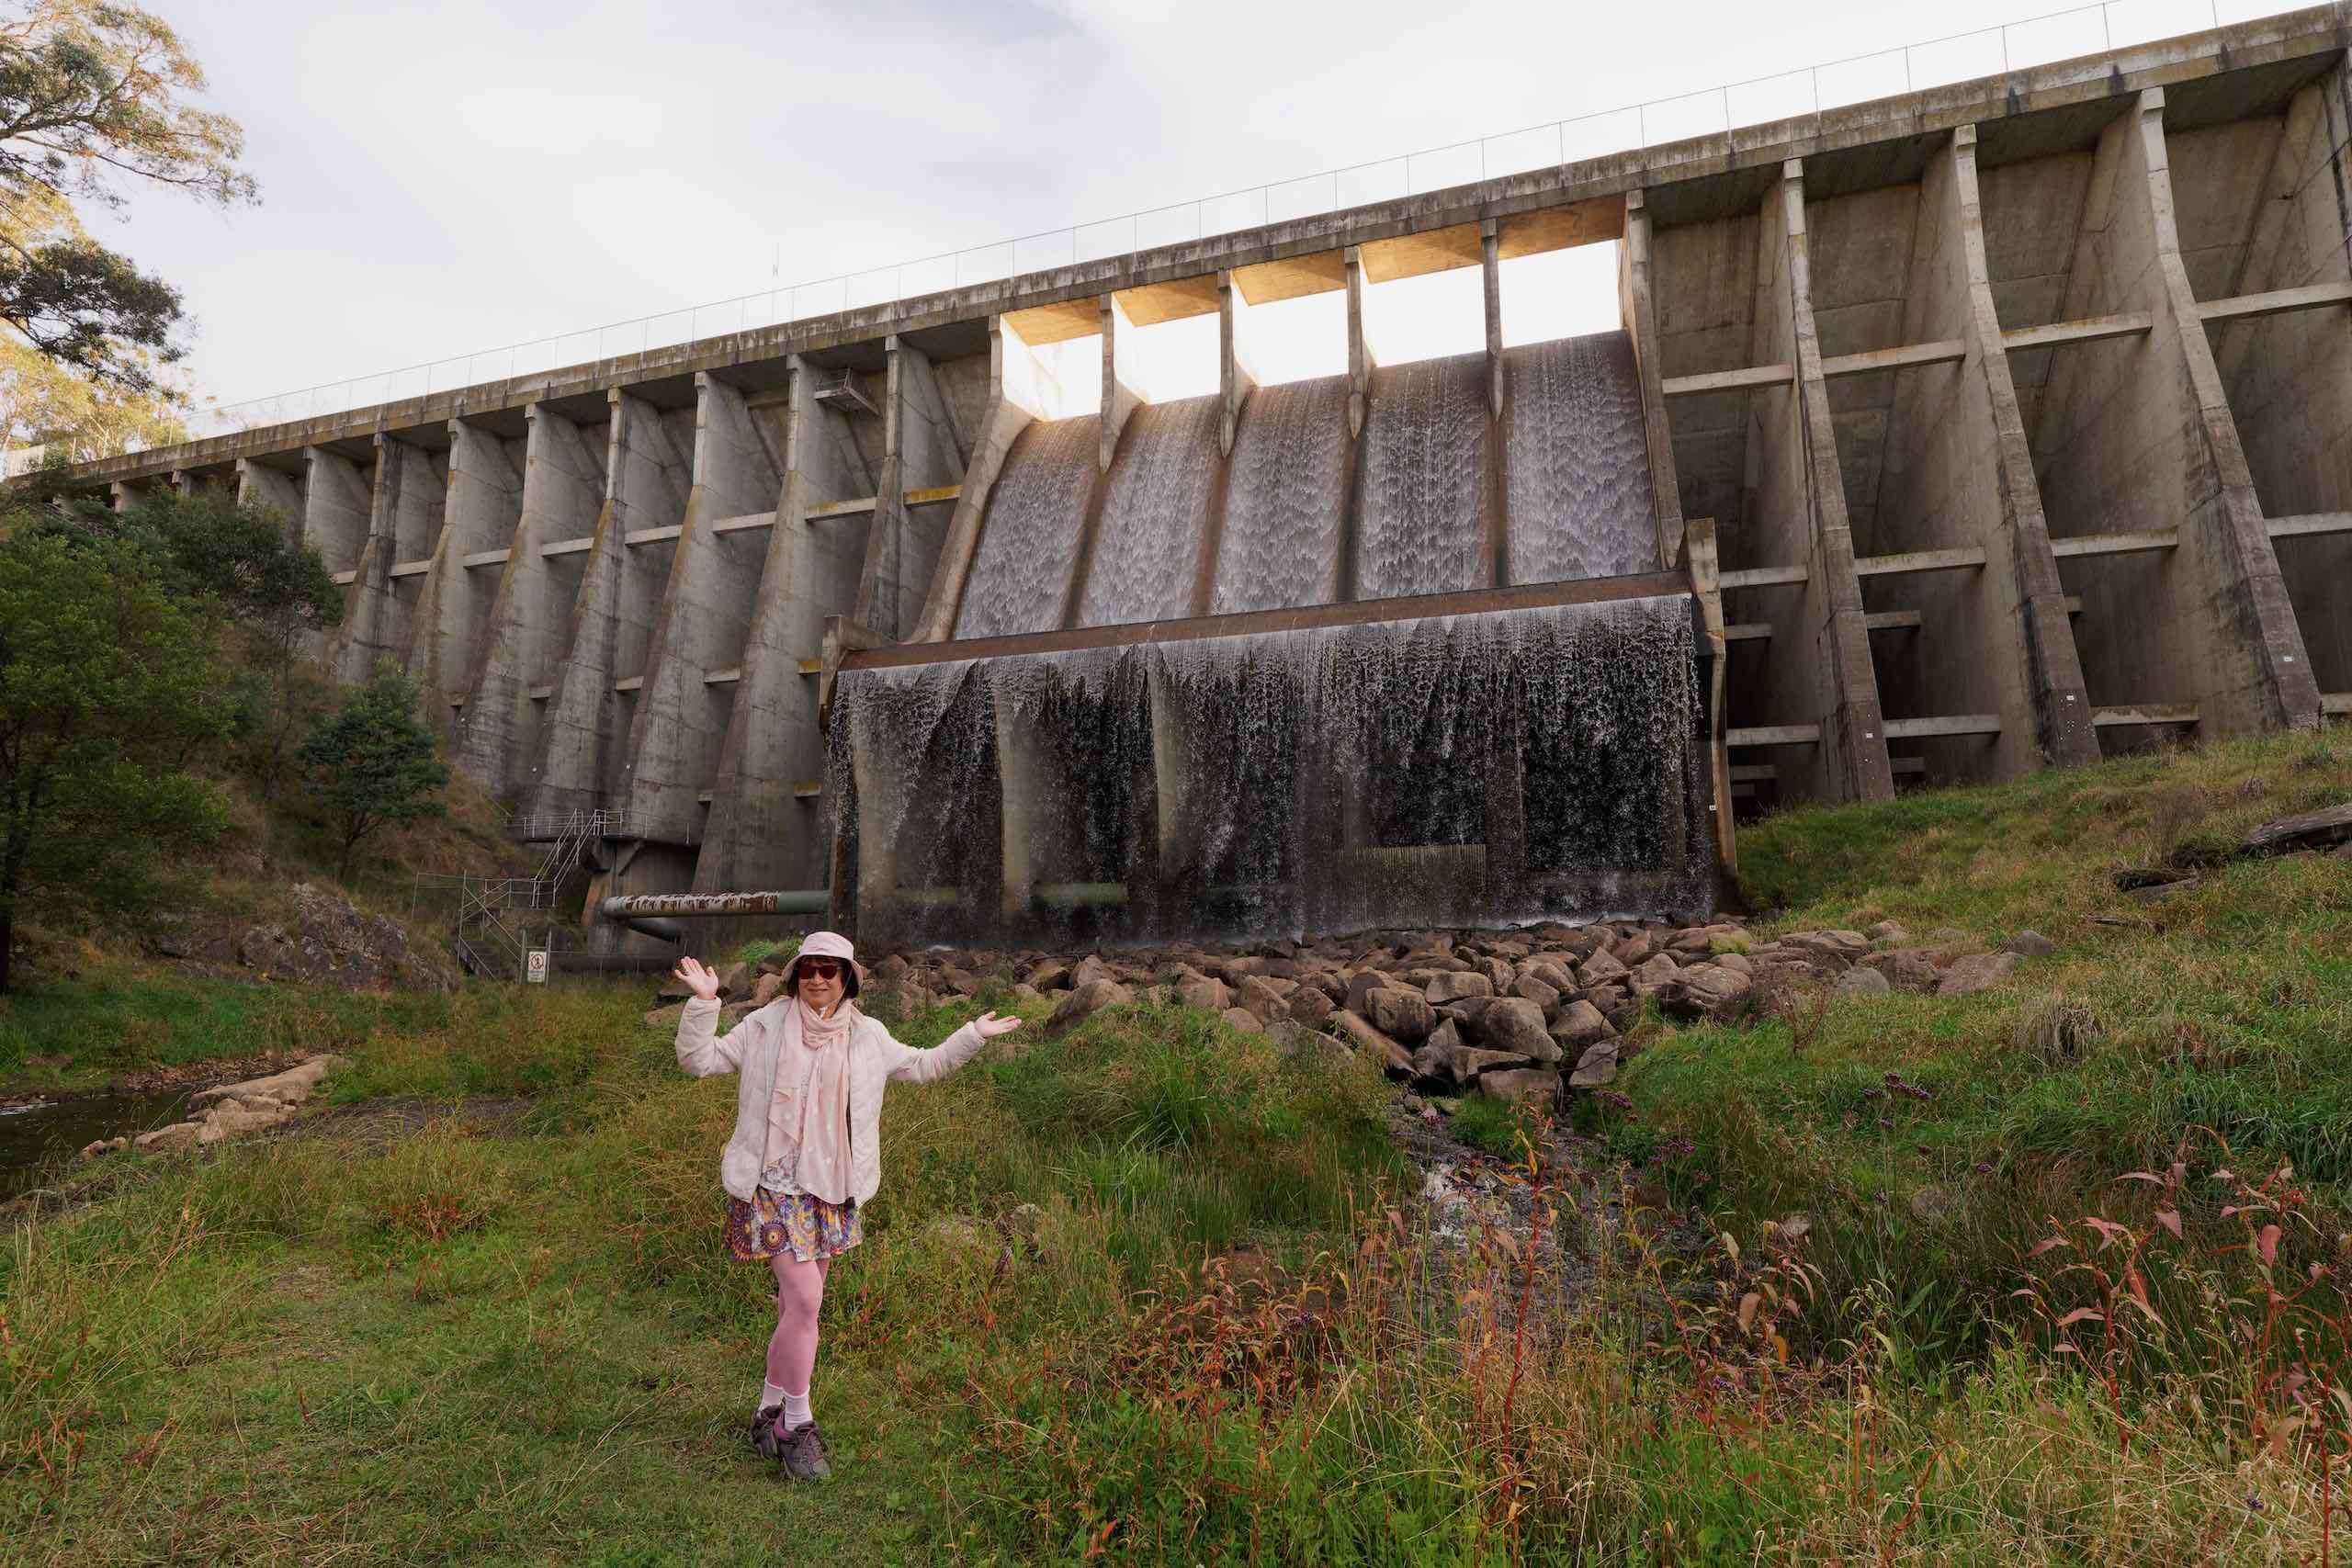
(1596, 1066)
(1653, 974)
(1706, 991)
(1737, 962)
(1545, 997)
(1083, 1002)
(1832, 949)
(1977, 972)
(1245, 1021)
(1516, 1024)
(766, 988)
(2029, 944)
(1049, 976)
(1498, 971)
(1550, 972)
(1434, 1057)
(1521, 1083)
(1863, 981)
(1633, 948)
(1579, 1024)
(1090, 968)
(179, 1135)
(1360, 985)
(1454, 986)
(1208, 995)
(1309, 1006)
(891, 971)
(1603, 968)
(1359, 1033)
(1888, 933)
(665, 1017)
(1402, 1014)
(1905, 968)
(2318, 829)
(1260, 998)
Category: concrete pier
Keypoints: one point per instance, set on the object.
(2022, 408)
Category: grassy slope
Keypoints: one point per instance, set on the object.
(402, 1336)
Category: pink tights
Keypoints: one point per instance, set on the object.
(792, 1350)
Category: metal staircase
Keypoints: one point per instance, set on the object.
(493, 916)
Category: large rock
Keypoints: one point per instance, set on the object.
(1544, 996)
(1516, 1024)
(1245, 1021)
(1905, 968)
(1083, 1002)
(1435, 1058)
(1603, 968)
(1090, 969)
(1451, 987)
(1653, 974)
(1202, 991)
(1706, 991)
(1863, 981)
(1579, 1024)
(1521, 1083)
(1596, 1066)
(1976, 972)
(1360, 985)
(1049, 976)
(1310, 1006)
(331, 941)
(1550, 972)
(1832, 949)
(1358, 1032)
(766, 988)
(1402, 1014)
(1261, 997)
(2029, 944)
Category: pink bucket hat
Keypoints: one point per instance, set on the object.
(829, 944)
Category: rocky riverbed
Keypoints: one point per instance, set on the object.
(1516, 1014)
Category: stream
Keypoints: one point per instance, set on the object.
(33, 1136)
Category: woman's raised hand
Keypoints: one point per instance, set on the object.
(988, 1023)
(702, 982)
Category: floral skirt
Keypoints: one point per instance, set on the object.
(809, 1228)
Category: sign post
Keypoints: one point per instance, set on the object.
(535, 967)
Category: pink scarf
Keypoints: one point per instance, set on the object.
(819, 1125)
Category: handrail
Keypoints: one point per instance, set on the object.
(1758, 100)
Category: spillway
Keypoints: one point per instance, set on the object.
(1155, 523)
(1421, 524)
(1036, 516)
(1578, 489)
(1286, 501)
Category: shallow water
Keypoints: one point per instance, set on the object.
(32, 1135)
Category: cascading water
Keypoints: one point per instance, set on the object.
(1578, 484)
(1287, 500)
(1470, 769)
(1421, 511)
(1155, 515)
(1020, 577)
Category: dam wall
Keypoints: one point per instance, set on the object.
(2015, 416)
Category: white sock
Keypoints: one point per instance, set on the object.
(770, 1395)
(796, 1411)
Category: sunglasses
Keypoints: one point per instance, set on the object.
(821, 968)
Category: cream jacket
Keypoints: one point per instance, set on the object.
(749, 1051)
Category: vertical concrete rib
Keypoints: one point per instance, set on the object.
(921, 452)
(647, 469)
(1003, 420)
(563, 493)
(758, 835)
(1360, 361)
(484, 503)
(2290, 377)
(270, 490)
(1236, 381)
(1637, 311)
(1996, 640)
(702, 626)
(1820, 643)
(2136, 436)
(1490, 279)
(338, 510)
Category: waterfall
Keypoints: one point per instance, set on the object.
(1476, 769)
(1578, 486)
(1285, 499)
(1020, 576)
(1154, 519)
(1421, 514)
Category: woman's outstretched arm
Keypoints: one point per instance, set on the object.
(918, 1066)
(702, 1050)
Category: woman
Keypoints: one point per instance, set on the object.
(805, 1149)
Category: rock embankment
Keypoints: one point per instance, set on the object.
(233, 1108)
(1517, 1014)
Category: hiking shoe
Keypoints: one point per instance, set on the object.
(766, 1441)
(803, 1454)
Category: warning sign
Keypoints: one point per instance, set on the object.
(535, 967)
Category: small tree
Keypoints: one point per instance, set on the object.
(108, 682)
(372, 763)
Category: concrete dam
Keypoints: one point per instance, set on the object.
(1943, 437)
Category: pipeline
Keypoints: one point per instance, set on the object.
(657, 914)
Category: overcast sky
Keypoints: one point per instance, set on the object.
(445, 176)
